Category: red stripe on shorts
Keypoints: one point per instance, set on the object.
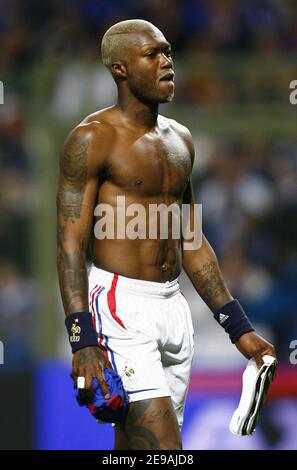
(111, 300)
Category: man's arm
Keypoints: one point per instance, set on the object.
(202, 268)
(81, 160)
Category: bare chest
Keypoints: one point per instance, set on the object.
(151, 165)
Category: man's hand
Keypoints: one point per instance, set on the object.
(88, 363)
(252, 345)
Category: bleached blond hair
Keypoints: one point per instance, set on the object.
(114, 43)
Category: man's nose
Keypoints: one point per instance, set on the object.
(167, 62)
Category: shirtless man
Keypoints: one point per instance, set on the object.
(144, 325)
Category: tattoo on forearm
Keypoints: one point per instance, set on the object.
(210, 285)
(74, 178)
(73, 280)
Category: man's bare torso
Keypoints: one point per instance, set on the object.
(146, 168)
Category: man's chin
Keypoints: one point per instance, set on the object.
(167, 99)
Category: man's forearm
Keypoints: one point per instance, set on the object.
(204, 272)
(73, 280)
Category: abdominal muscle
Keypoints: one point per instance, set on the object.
(149, 260)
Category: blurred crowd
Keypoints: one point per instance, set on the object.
(248, 194)
(49, 66)
(32, 31)
(44, 36)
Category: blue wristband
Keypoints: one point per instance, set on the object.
(81, 330)
(234, 320)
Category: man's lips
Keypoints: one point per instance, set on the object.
(167, 77)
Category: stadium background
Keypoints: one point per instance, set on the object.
(234, 61)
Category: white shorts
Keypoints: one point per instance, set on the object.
(146, 329)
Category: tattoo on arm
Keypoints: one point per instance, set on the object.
(74, 175)
(210, 285)
(71, 262)
(73, 280)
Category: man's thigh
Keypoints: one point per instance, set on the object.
(150, 424)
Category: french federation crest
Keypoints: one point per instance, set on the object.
(75, 330)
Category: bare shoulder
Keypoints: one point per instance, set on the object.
(96, 127)
(103, 118)
(91, 141)
(180, 129)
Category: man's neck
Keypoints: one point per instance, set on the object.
(138, 114)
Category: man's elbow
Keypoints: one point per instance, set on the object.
(70, 252)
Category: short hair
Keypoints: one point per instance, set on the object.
(113, 45)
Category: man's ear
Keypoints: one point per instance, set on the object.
(119, 69)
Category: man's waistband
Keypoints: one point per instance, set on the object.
(134, 286)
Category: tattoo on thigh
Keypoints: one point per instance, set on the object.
(142, 438)
(139, 425)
